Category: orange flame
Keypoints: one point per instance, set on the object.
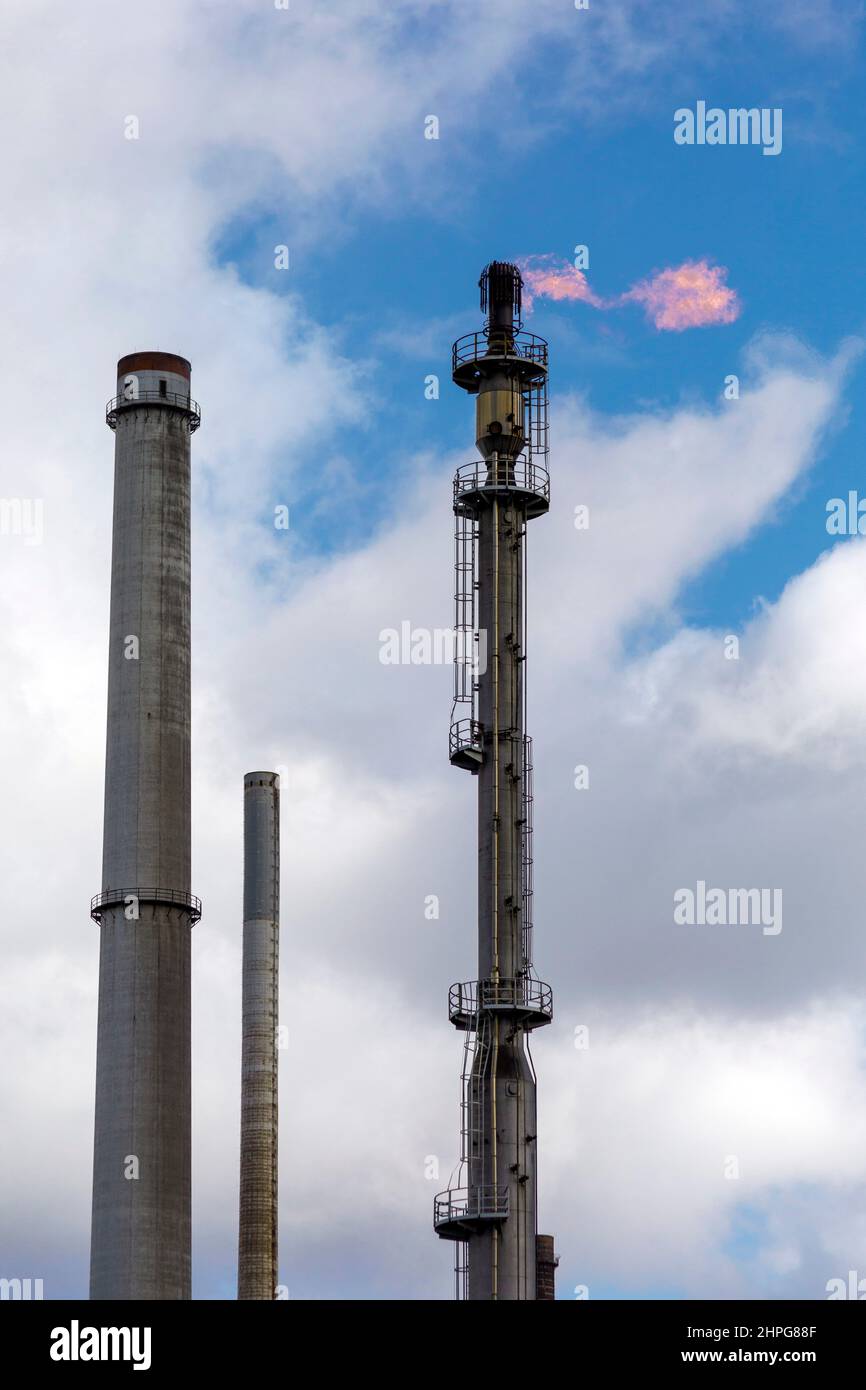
(552, 278)
(690, 295)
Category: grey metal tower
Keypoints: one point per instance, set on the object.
(491, 1209)
(140, 1239)
(257, 1227)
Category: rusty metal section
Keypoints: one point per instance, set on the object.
(154, 362)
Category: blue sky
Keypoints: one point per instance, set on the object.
(788, 228)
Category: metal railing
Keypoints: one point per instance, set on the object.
(161, 897)
(465, 736)
(521, 995)
(502, 475)
(461, 1204)
(472, 347)
(176, 399)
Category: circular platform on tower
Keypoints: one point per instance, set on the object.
(477, 483)
(476, 355)
(461, 1211)
(527, 1001)
(145, 897)
(171, 400)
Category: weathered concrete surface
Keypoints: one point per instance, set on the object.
(140, 1241)
(257, 1228)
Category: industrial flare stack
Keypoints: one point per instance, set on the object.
(491, 1211)
(257, 1231)
(140, 1240)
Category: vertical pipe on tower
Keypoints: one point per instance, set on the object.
(257, 1226)
(140, 1237)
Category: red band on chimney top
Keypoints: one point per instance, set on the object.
(153, 362)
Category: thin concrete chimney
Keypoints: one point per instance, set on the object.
(258, 1268)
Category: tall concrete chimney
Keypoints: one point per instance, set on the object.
(257, 1228)
(140, 1238)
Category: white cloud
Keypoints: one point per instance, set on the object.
(653, 1120)
(796, 691)
(668, 492)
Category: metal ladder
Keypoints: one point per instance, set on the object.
(465, 614)
(526, 853)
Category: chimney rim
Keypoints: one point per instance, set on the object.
(270, 778)
(154, 362)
